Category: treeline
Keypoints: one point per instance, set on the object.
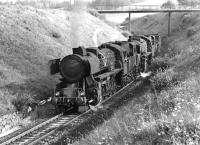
(40, 3)
(185, 3)
(43, 3)
(109, 4)
(189, 2)
(96, 4)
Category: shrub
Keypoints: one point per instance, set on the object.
(22, 101)
(192, 30)
(43, 111)
(164, 80)
(160, 64)
(55, 35)
(5, 105)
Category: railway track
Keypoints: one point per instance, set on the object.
(83, 120)
(39, 133)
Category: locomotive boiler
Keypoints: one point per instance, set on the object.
(89, 75)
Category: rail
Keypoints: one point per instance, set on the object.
(30, 130)
(39, 133)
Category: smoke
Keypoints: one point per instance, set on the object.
(95, 36)
(77, 7)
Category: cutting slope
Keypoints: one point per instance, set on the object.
(30, 37)
(184, 31)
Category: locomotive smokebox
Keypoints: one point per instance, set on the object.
(73, 68)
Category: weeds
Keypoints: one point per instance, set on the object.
(5, 104)
(160, 64)
(169, 114)
(22, 101)
(171, 110)
(164, 79)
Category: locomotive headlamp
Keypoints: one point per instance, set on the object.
(57, 94)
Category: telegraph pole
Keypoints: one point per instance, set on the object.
(169, 23)
(129, 22)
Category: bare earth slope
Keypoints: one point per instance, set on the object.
(30, 37)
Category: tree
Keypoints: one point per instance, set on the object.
(168, 5)
(108, 4)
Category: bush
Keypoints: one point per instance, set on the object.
(22, 102)
(55, 35)
(43, 111)
(192, 30)
(165, 80)
(160, 64)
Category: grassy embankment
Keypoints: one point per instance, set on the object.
(29, 38)
(170, 110)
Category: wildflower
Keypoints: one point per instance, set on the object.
(100, 143)
(181, 121)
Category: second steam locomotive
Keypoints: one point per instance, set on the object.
(89, 75)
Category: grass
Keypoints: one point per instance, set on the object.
(170, 111)
(30, 38)
(6, 105)
(169, 115)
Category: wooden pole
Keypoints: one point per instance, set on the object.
(169, 23)
(129, 19)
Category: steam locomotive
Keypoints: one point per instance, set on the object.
(89, 75)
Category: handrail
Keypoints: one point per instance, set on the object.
(137, 7)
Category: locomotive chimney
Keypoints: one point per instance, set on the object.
(80, 51)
